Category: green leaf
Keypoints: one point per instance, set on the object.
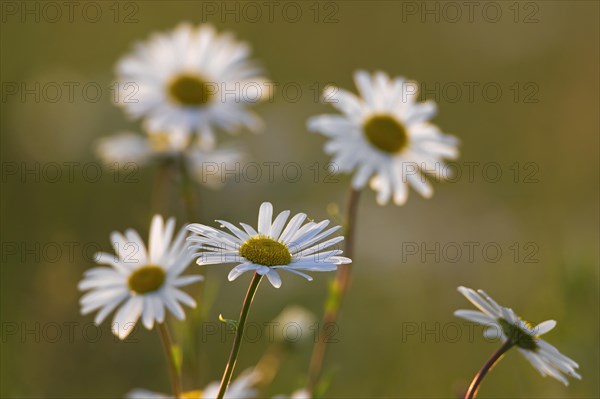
(230, 322)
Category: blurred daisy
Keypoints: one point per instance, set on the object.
(273, 246)
(208, 167)
(299, 394)
(191, 79)
(140, 281)
(503, 323)
(126, 147)
(241, 388)
(293, 324)
(385, 136)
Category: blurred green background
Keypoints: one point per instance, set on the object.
(543, 55)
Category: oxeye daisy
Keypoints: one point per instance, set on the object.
(205, 166)
(272, 247)
(504, 323)
(192, 79)
(240, 388)
(299, 394)
(385, 135)
(125, 147)
(140, 282)
(275, 245)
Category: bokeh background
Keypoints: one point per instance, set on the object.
(397, 336)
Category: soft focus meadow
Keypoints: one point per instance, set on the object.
(519, 89)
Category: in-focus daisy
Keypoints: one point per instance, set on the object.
(240, 388)
(139, 281)
(205, 166)
(385, 135)
(504, 323)
(192, 79)
(273, 246)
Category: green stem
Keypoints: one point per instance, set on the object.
(489, 364)
(160, 197)
(239, 334)
(167, 343)
(187, 190)
(336, 294)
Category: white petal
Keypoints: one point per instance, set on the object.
(148, 312)
(278, 224)
(292, 227)
(240, 269)
(186, 280)
(109, 307)
(544, 327)
(362, 79)
(265, 218)
(126, 317)
(474, 316)
(274, 278)
(239, 233)
(155, 240)
(249, 229)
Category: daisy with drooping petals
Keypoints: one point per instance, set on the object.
(192, 79)
(140, 282)
(240, 388)
(385, 135)
(513, 331)
(272, 247)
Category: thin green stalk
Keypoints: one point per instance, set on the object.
(187, 190)
(167, 343)
(489, 364)
(336, 294)
(239, 334)
(164, 176)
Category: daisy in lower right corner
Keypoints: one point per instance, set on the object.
(504, 323)
(385, 135)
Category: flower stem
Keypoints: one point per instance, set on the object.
(167, 343)
(336, 294)
(239, 334)
(489, 364)
(187, 190)
(160, 197)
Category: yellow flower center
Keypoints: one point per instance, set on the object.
(196, 394)
(265, 251)
(159, 141)
(385, 133)
(521, 338)
(190, 90)
(146, 279)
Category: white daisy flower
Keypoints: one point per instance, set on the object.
(293, 325)
(240, 388)
(273, 246)
(126, 147)
(504, 323)
(385, 136)
(192, 79)
(299, 394)
(205, 166)
(140, 282)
